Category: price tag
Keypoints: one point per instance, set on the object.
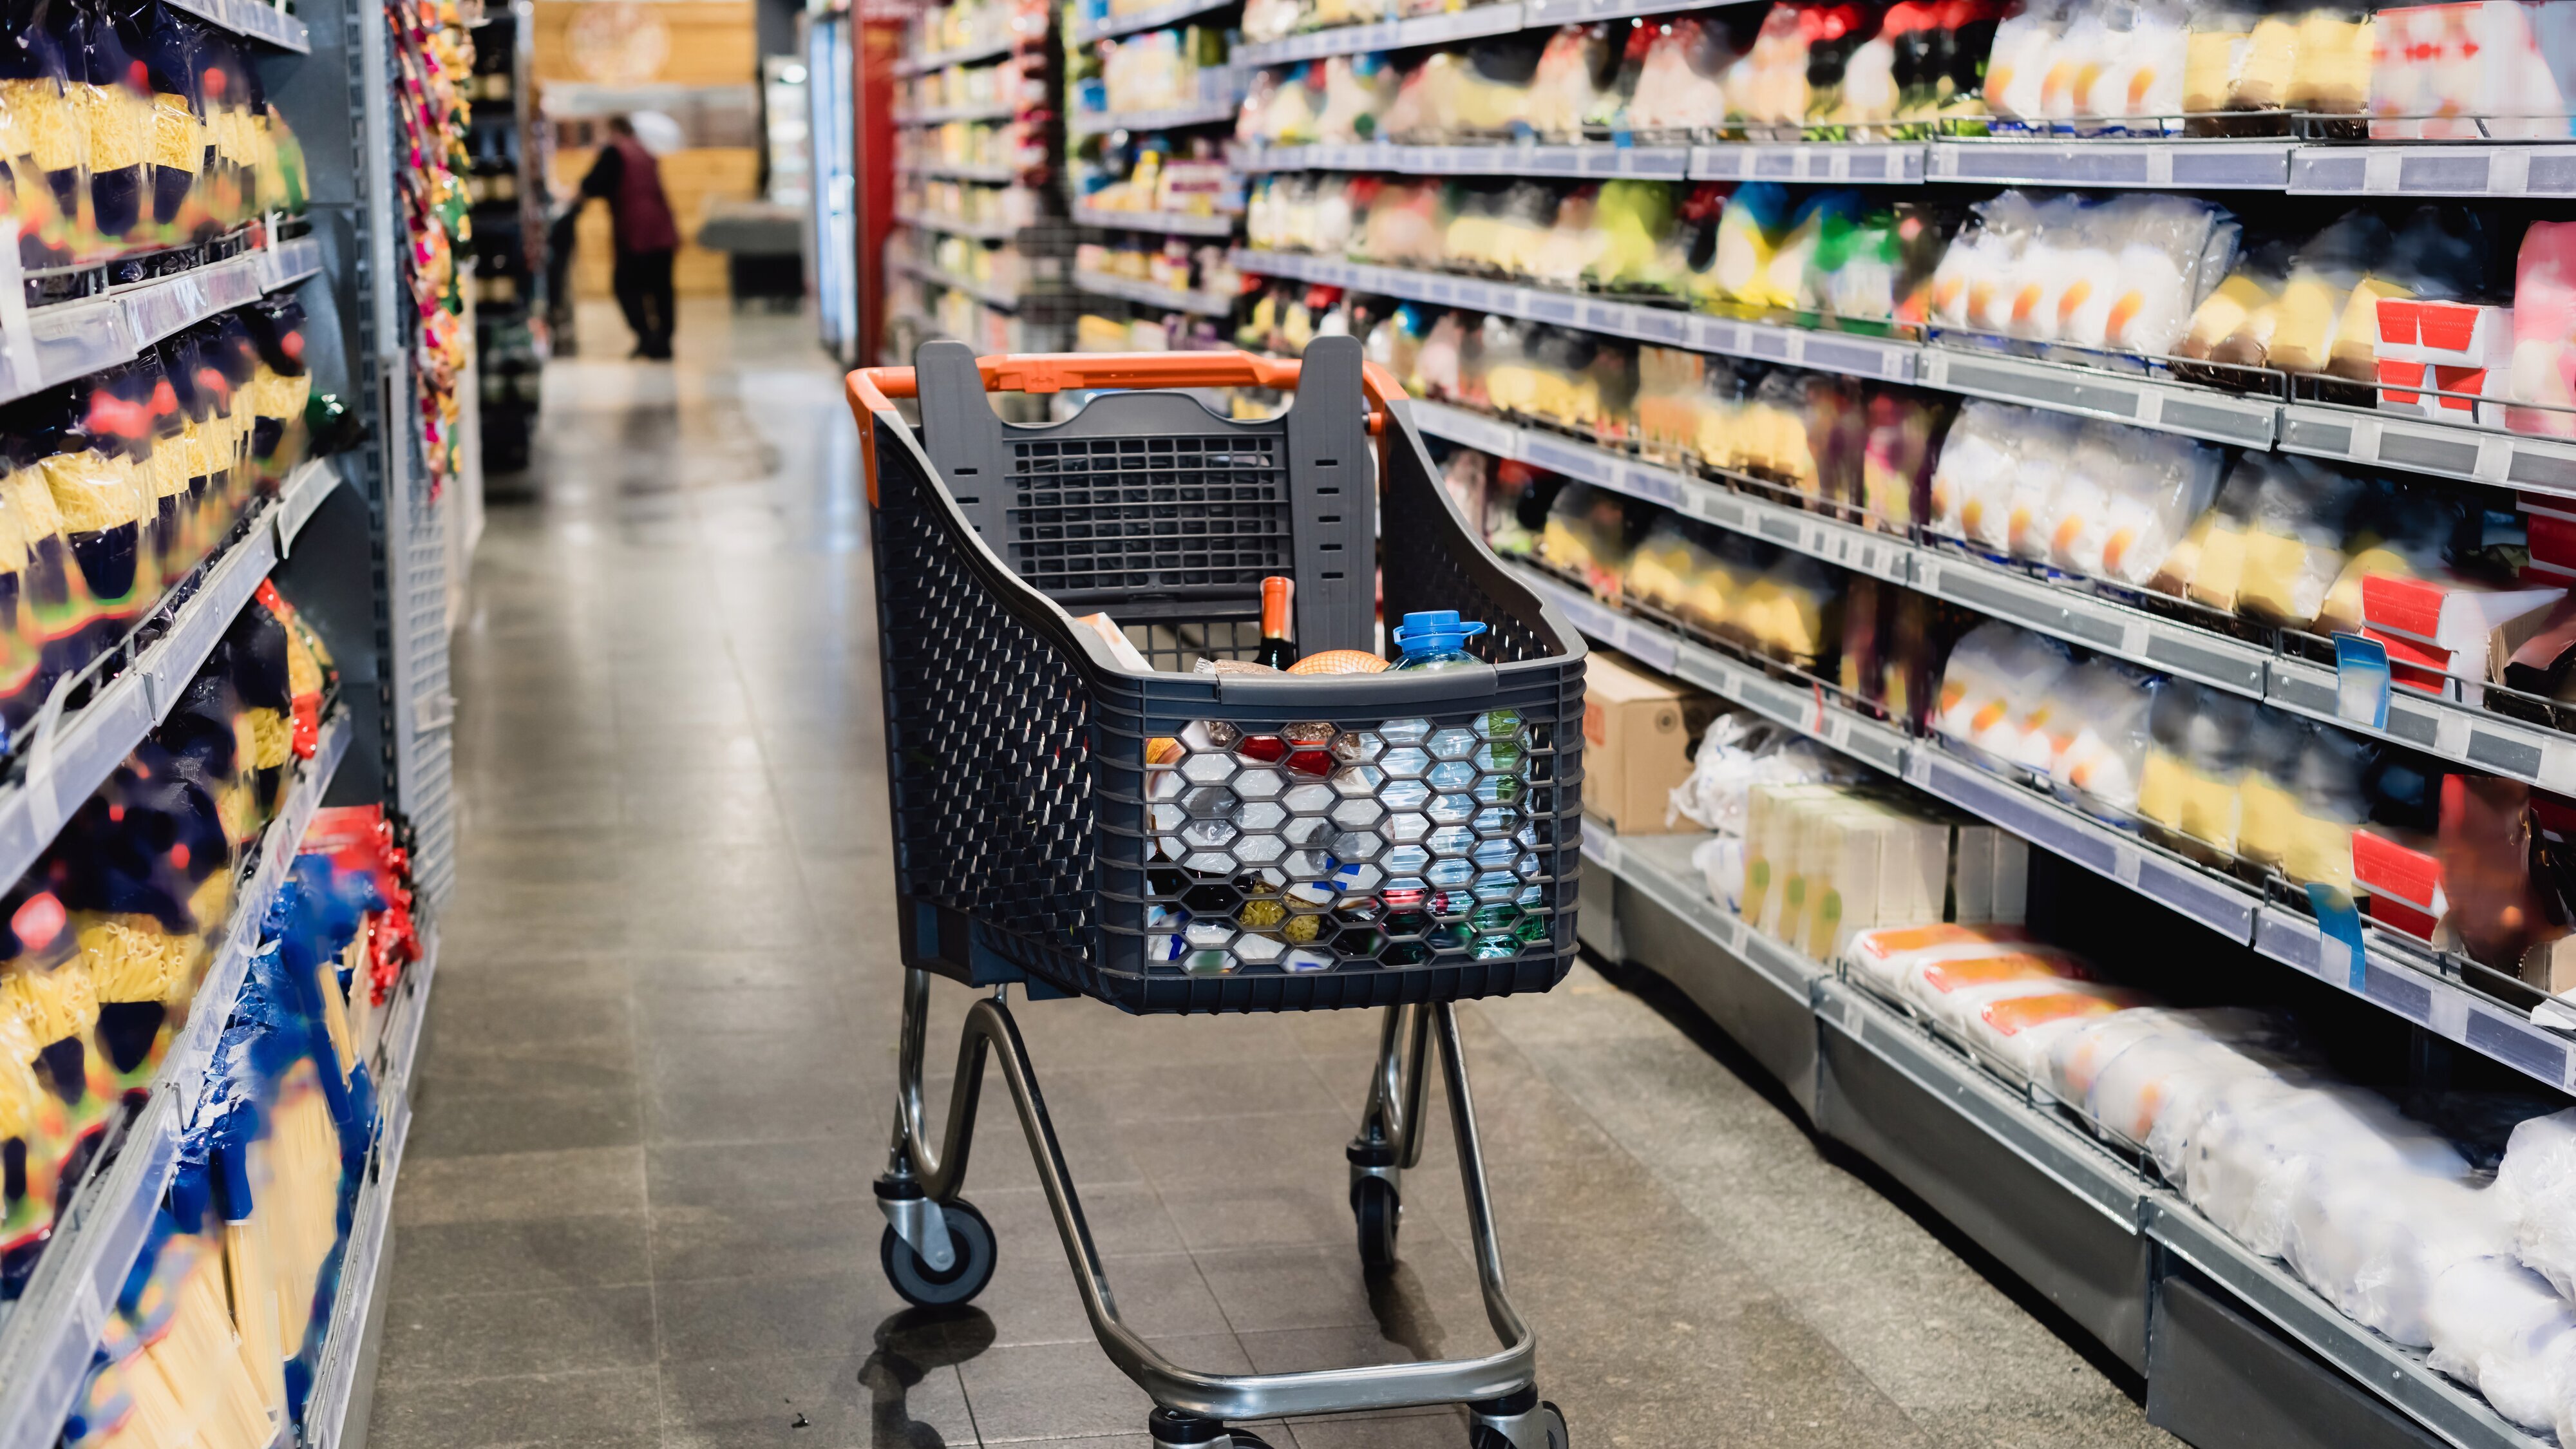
(2361, 680)
(2341, 956)
(2125, 865)
(1814, 723)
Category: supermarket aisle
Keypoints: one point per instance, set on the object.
(635, 1208)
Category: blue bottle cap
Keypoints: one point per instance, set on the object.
(1435, 629)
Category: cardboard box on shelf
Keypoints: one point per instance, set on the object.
(1638, 730)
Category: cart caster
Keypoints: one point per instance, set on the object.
(1378, 1207)
(970, 1238)
(1521, 1421)
(1173, 1430)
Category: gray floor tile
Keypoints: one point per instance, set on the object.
(1037, 1392)
(878, 1401)
(521, 1254)
(711, 1320)
(584, 1409)
(494, 1335)
(736, 1240)
(503, 1186)
(724, 1174)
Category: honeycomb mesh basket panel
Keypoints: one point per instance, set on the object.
(1340, 841)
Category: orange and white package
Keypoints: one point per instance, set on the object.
(2077, 1061)
(1962, 1006)
(1883, 953)
(1936, 978)
(2021, 1029)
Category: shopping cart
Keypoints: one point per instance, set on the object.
(1170, 841)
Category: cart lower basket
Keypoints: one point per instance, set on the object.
(1161, 840)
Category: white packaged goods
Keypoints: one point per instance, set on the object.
(2374, 1241)
(2539, 1175)
(2497, 1327)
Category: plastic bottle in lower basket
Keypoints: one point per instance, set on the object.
(1436, 639)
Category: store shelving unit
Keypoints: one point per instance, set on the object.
(49, 1335)
(1030, 314)
(510, 199)
(2407, 982)
(1146, 294)
(358, 542)
(2115, 1249)
(1173, 12)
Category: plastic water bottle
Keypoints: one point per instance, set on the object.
(1436, 639)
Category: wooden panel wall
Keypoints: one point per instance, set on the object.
(711, 43)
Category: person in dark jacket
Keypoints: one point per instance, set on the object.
(630, 181)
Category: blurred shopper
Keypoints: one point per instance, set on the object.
(628, 178)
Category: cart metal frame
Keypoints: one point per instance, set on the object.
(1498, 1389)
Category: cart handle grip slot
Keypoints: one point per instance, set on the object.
(872, 389)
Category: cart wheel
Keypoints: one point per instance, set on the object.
(1375, 1204)
(1550, 1418)
(968, 1235)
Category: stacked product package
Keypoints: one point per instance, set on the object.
(108, 936)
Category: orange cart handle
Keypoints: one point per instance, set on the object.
(870, 388)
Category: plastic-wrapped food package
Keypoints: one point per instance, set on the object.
(1749, 236)
(1670, 386)
(2216, 44)
(2498, 908)
(1972, 286)
(2544, 331)
(1996, 687)
(1851, 271)
(2025, 50)
(2374, 1241)
(24, 680)
(1897, 458)
(1952, 983)
(100, 499)
(1576, 61)
(1788, 610)
(2099, 737)
(1980, 455)
(1887, 954)
(1489, 93)
(2024, 1029)
(2170, 481)
(2145, 55)
(1635, 225)
(43, 148)
(1356, 90)
(1738, 752)
(1664, 565)
(1267, 20)
(2079, 1059)
(1589, 533)
(2335, 46)
(2538, 1177)
(2301, 331)
(2497, 1327)
(2041, 465)
(1572, 245)
(116, 113)
(2242, 1159)
(1682, 84)
(1851, 73)
(1767, 89)
(2294, 536)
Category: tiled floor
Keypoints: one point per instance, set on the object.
(635, 1207)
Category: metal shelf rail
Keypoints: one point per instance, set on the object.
(1171, 13)
(72, 339)
(1170, 299)
(1166, 223)
(2447, 729)
(48, 1339)
(2440, 1004)
(348, 1339)
(260, 22)
(2058, 1180)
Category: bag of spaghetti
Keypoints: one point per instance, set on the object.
(280, 389)
(116, 109)
(146, 871)
(42, 148)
